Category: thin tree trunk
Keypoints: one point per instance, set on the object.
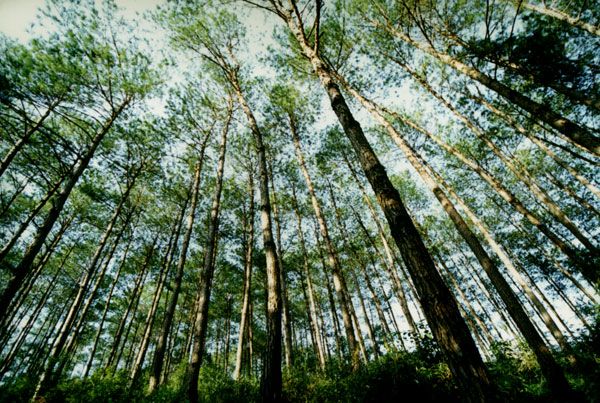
(561, 16)
(336, 270)
(105, 311)
(246, 294)
(10, 155)
(34, 315)
(149, 324)
(575, 133)
(540, 194)
(57, 202)
(313, 317)
(161, 343)
(75, 330)
(483, 173)
(542, 146)
(48, 378)
(32, 278)
(138, 287)
(208, 268)
(23, 226)
(286, 319)
(390, 262)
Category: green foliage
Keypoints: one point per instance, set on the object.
(388, 378)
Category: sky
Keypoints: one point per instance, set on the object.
(16, 17)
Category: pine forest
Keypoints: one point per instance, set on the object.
(300, 201)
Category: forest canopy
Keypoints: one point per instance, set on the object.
(301, 200)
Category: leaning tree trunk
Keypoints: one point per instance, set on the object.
(572, 131)
(334, 263)
(106, 308)
(561, 16)
(47, 377)
(439, 305)
(550, 368)
(57, 202)
(19, 144)
(137, 289)
(520, 173)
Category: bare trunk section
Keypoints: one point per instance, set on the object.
(312, 311)
(161, 343)
(440, 307)
(271, 382)
(336, 270)
(208, 268)
(246, 319)
(105, 310)
(286, 319)
(550, 368)
(138, 286)
(58, 202)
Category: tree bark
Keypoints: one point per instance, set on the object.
(336, 270)
(161, 343)
(440, 307)
(561, 16)
(58, 202)
(208, 268)
(246, 319)
(575, 133)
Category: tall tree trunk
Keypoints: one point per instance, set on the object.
(58, 202)
(575, 133)
(138, 287)
(140, 356)
(440, 307)
(47, 378)
(30, 280)
(271, 376)
(332, 306)
(312, 311)
(75, 330)
(161, 343)
(106, 308)
(245, 320)
(390, 262)
(336, 270)
(208, 268)
(286, 319)
(561, 16)
(377, 111)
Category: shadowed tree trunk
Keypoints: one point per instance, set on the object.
(448, 327)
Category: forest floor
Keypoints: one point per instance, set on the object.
(394, 376)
